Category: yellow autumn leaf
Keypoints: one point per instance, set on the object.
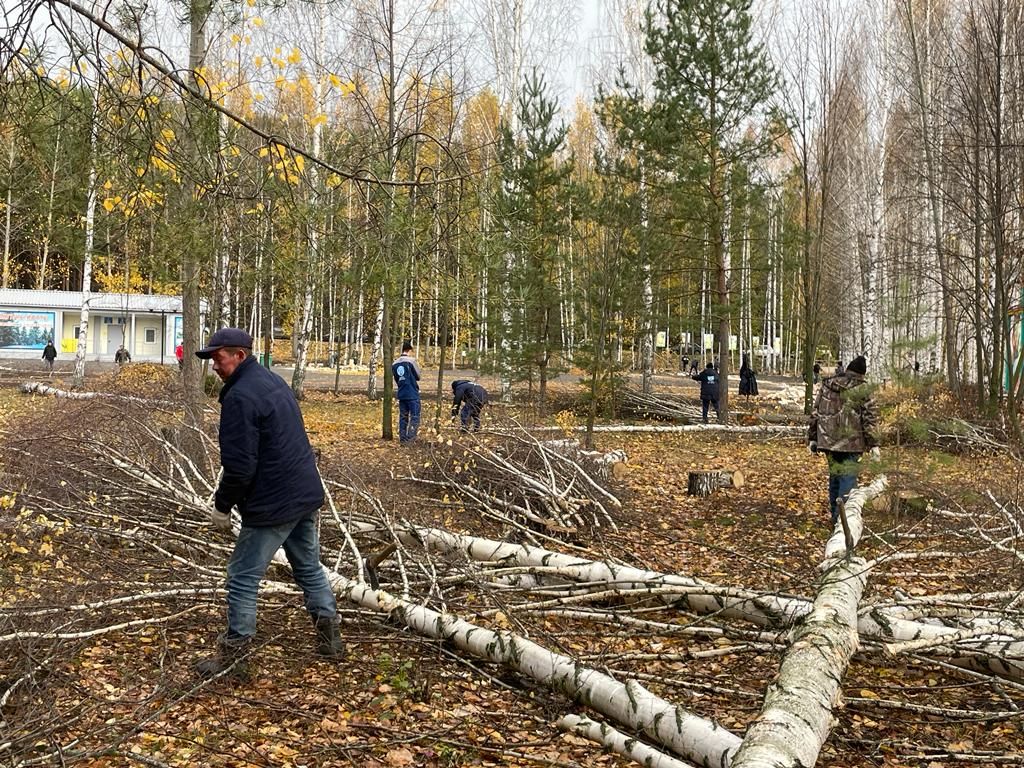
(333, 181)
(168, 134)
(334, 80)
(295, 56)
(257, 21)
(108, 204)
(300, 162)
(46, 548)
(258, 61)
(236, 39)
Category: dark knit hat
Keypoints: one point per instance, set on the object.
(858, 365)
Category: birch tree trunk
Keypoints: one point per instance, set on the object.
(78, 378)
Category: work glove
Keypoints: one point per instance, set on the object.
(220, 520)
(876, 454)
(812, 446)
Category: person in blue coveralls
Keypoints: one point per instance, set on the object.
(407, 389)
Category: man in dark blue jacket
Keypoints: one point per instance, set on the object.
(407, 389)
(472, 397)
(709, 383)
(270, 476)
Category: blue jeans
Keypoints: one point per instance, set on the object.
(842, 476)
(408, 420)
(254, 549)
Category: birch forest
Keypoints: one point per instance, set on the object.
(572, 202)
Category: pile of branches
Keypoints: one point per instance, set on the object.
(539, 488)
(661, 407)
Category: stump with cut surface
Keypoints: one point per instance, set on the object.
(706, 482)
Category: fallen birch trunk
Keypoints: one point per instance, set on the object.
(765, 610)
(676, 428)
(835, 547)
(619, 742)
(797, 714)
(629, 703)
(38, 388)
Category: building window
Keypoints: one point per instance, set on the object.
(78, 330)
(108, 320)
(151, 335)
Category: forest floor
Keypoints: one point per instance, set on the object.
(130, 698)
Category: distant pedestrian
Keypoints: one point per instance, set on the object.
(684, 363)
(472, 398)
(816, 370)
(748, 378)
(709, 384)
(49, 355)
(122, 357)
(842, 426)
(694, 369)
(407, 389)
(179, 354)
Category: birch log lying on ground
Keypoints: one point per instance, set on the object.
(630, 704)
(764, 430)
(619, 742)
(1002, 655)
(797, 714)
(38, 388)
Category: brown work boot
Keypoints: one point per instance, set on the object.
(231, 659)
(328, 637)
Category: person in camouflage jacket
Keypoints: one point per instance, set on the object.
(843, 426)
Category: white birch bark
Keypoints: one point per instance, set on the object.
(629, 703)
(619, 742)
(797, 713)
(78, 378)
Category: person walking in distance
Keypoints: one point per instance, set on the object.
(709, 383)
(270, 476)
(407, 389)
(843, 426)
(49, 355)
(122, 357)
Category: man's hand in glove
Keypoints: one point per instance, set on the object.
(220, 520)
(812, 446)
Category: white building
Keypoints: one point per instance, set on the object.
(150, 327)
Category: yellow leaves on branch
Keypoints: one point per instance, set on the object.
(284, 164)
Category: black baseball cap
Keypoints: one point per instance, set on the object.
(225, 337)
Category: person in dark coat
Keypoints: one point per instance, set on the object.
(748, 378)
(472, 398)
(122, 356)
(49, 355)
(843, 426)
(270, 476)
(817, 372)
(709, 384)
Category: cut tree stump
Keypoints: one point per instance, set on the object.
(901, 503)
(706, 482)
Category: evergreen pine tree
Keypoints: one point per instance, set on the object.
(712, 78)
